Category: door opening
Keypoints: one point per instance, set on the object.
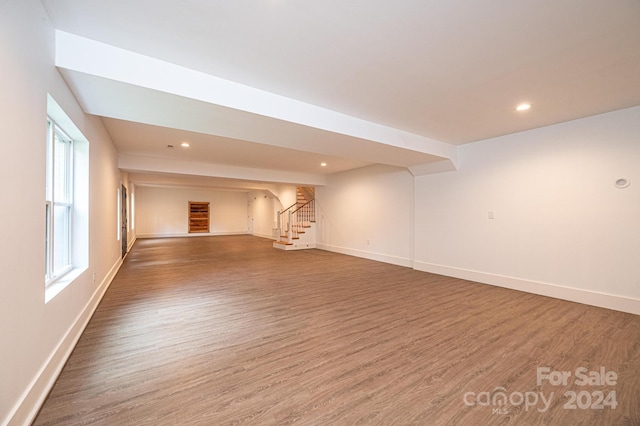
(123, 216)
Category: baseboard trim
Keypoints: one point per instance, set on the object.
(267, 236)
(572, 294)
(394, 260)
(131, 242)
(26, 410)
(198, 234)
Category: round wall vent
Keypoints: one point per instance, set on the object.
(622, 183)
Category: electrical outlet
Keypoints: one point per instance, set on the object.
(93, 276)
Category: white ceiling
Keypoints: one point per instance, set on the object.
(450, 71)
(143, 139)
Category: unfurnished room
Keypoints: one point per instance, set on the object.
(278, 212)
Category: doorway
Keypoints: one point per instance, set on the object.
(250, 217)
(123, 216)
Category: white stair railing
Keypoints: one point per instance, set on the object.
(294, 219)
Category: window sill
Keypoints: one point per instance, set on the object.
(54, 288)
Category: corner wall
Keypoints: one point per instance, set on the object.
(368, 213)
(264, 214)
(561, 228)
(37, 337)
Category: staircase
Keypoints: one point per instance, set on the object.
(296, 224)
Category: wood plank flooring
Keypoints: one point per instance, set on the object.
(228, 331)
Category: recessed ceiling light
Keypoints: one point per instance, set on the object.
(622, 183)
(323, 164)
(185, 144)
(523, 107)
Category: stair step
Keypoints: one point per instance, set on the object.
(284, 243)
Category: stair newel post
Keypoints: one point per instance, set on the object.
(290, 228)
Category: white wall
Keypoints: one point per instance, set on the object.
(163, 211)
(368, 212)
(36, 337)
(287, 195)
(264, 213)
(561, 227)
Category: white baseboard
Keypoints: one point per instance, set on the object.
(197, 234)
(27, 407)
(267, 236)
(588, 297)
(394, 260)
(131, 242)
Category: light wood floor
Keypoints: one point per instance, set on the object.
(227, 331)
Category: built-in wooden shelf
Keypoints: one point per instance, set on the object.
(198, 216)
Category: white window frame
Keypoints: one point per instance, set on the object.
(53, 201)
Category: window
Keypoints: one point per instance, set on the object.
(66, 202)
(59, 202)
